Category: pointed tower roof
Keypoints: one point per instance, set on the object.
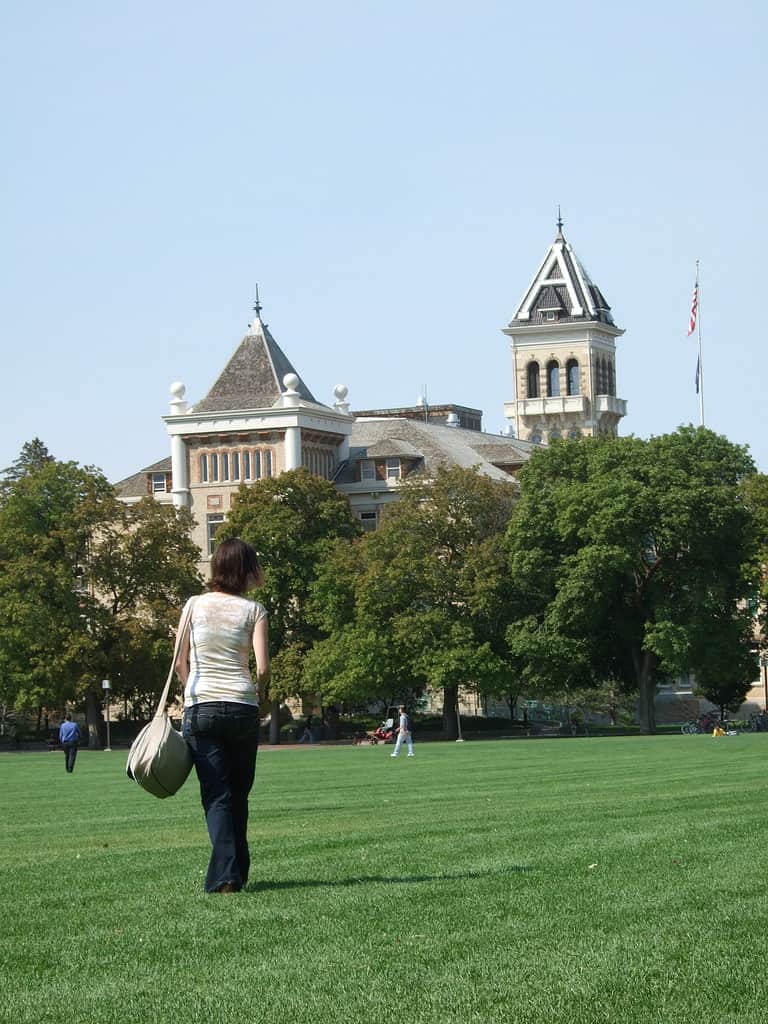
(252, 377)
(562, 290)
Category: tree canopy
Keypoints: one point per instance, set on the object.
(632, 561)
(89, 587)
(420, 602)
(291, 520)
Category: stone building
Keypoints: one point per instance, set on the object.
(260, 417)
(564, 353)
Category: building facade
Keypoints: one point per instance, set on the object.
(260, 418)
(563, 339)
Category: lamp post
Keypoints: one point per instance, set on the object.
(106, 686)
(764, 666)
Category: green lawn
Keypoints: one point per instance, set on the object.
(546, 881)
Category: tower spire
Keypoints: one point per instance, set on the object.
(257, 325)
(559, 224)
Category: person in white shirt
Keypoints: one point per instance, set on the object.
(403, 733)
(221, 705)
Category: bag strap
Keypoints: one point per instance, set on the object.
(185, 620)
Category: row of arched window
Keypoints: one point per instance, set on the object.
(537, 436)
(572, 383)
(605, 378)
(319, 461)
(235, 466)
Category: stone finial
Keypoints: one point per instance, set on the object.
(291, 395)
(178, 404)
(341, 404)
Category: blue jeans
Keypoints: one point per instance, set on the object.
(224, 740)
(70, 753)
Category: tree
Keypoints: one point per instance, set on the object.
(140, 568)
(33, 455)
(419, 603)
(630, 560)
(89, 587)
(292, 521)
(755, 489)
(48, 511)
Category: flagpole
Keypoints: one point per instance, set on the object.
(701, 362)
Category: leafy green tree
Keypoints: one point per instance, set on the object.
(755, 490)
(89, 587)
(33, 455)
(49, 510)
(292, 521)
(140, 568)
(419, 603)
(631, 560)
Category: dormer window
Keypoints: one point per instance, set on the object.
(158, 483)
(393, 469)
(367, 469)
(550, 312)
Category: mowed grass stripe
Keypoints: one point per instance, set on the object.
(557, 880)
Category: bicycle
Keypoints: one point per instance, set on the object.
(704, 723)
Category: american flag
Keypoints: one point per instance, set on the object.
(694, 309)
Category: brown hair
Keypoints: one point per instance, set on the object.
(235, 567)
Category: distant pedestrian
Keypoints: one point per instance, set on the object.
(69, 738)
(404, 733)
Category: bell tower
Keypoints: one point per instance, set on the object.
(564, 353)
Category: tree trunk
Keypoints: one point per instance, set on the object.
(450, 711)
(94, 719)
(274, 722)
(645, 662)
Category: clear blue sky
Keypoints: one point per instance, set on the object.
(389, 173)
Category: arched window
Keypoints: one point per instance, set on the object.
(574, 434)
(601, 381)
(203, 469)
(214, 466)
(267, 463)
(555, 435)
(246, 465)
(572, 376)
(611, 379)
(535, 437)
(553, 379)
(533, 380)
(257, 465)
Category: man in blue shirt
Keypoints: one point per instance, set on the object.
(69, 738)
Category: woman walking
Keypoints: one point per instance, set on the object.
(221, 705)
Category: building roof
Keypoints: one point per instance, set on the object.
(561, 286)
(252, 379)
(435, 445)
(135, 486)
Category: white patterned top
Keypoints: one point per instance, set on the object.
(221, 632)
